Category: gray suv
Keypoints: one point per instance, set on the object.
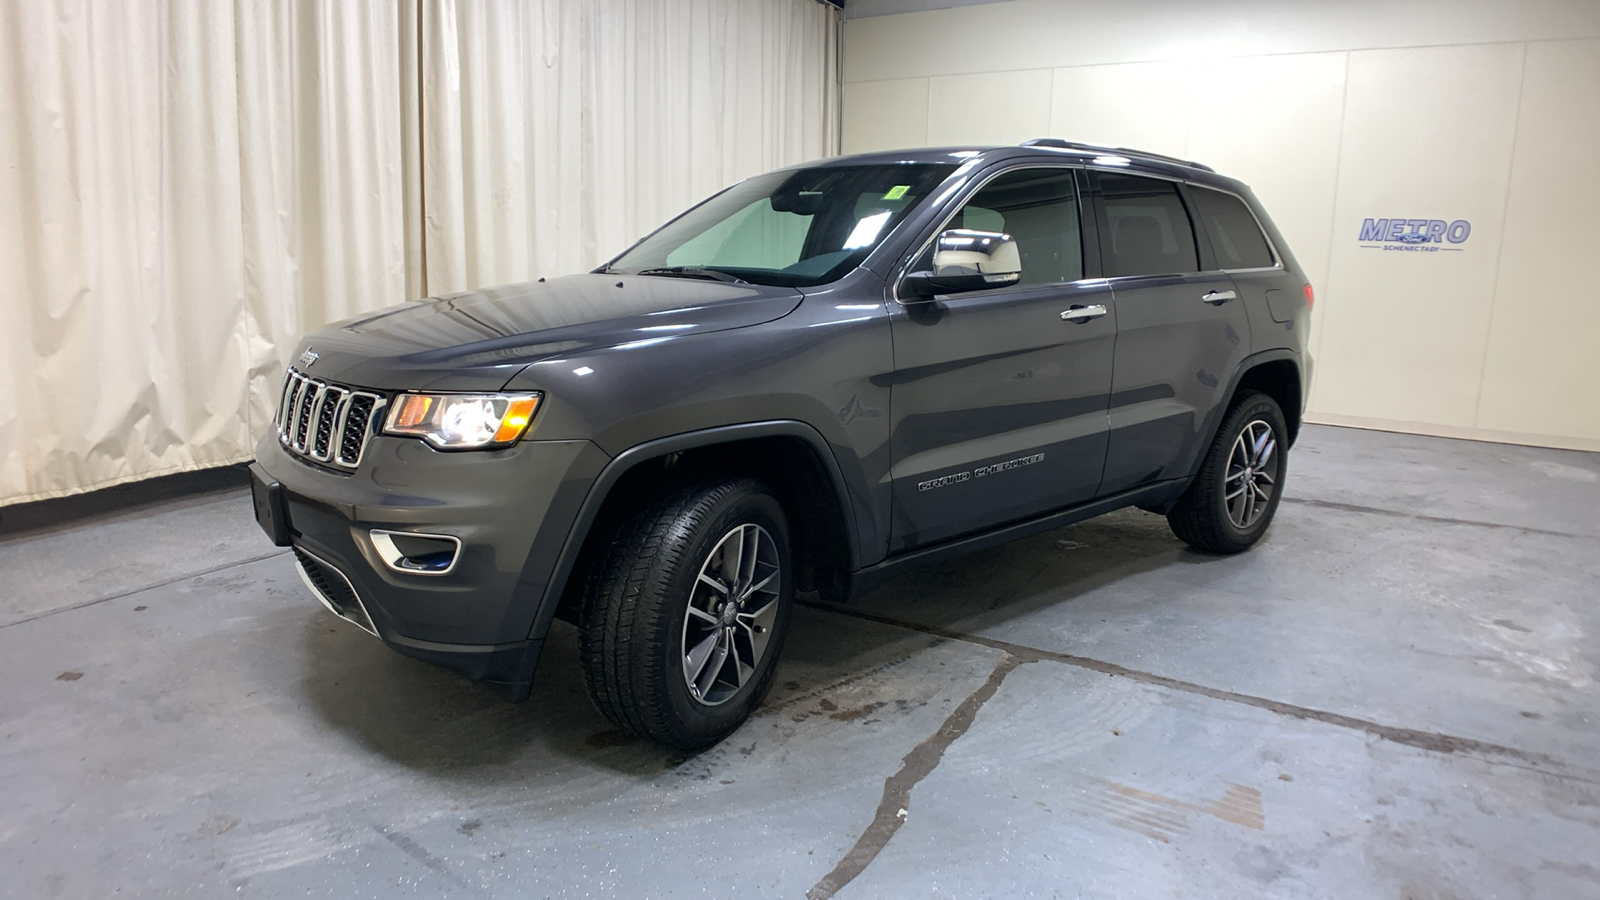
(811, 381)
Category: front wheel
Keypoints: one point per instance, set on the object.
(686, 613)
(1236, 492)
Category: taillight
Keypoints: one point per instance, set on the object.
(1311, 299)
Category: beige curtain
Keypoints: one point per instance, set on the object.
(185, 187)
(557, 133)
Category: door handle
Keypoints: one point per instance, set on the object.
(1081, 314)
(1217, 298)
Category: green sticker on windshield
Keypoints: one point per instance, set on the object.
(896, 192)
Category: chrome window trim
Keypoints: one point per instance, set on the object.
(960, 201)
(383, 545)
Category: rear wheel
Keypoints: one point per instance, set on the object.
(686, 613)
(1236, 492)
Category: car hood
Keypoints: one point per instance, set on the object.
(479, 340)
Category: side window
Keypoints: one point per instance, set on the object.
(1039, 208)
(1150, 232)
(1235, 235)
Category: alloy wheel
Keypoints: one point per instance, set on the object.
(732, 608)
(1251, 474)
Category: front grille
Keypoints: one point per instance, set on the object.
(326, 423)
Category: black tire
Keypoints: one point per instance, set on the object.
(1205, 517)
(636, 622)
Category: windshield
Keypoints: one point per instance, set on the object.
(795, 228)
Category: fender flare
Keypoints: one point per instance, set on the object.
(601, 487)
(1214, 417)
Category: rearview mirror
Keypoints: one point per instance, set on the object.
(967, 260)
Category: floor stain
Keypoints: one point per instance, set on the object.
(1162, 818)
(859, 712)
(69, 676)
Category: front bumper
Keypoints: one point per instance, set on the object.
(511, 509)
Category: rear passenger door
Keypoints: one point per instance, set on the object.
(1181, 331)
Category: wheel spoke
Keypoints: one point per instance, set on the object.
(733, 559)
(694, 662)
(719, 659)
(742, 670)
(1266, 449)
(1236, 491)
(763, 617)
(716, 585)
(702, 615)
(748, 556)
(752, 589)
(1258, 438)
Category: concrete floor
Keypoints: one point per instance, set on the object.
(1393, 696)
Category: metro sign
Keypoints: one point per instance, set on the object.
(1413, 234)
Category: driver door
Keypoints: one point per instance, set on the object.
(999, 403)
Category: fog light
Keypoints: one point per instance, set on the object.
(415, 553)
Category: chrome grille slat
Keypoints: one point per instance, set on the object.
(283, 403)
(322, 422)
(308, 439)
(287, 414)
(302, 414)
(325, 423)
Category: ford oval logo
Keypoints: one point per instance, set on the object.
(309, 357)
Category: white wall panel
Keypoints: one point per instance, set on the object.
(1403, 332)
(1542, 364)
(1040, 34)
(991, 108)
(1144, 105)
(1334, 113)
(884, 115)
(1274, 122)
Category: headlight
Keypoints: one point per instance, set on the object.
(462, 421)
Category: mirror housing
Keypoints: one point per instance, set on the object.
(967, 260)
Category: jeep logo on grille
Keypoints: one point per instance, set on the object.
(309, 357)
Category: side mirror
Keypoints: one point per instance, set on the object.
(967, 260)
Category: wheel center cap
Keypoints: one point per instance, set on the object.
(729, 613)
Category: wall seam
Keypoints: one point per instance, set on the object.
(1333, 213)
(1500, 248)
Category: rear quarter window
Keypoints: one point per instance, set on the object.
(1235, 235)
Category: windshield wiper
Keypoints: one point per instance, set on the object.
(694, 272)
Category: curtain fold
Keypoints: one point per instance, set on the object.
(188, 186)
(557, 133)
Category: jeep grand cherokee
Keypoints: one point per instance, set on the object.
(810, 381)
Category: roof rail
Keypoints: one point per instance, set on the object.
(1060, 144)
